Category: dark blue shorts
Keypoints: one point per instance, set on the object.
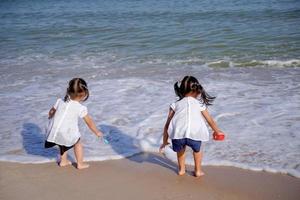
(179, 144)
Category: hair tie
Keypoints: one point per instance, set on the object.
(85, 87)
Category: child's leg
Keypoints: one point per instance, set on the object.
(198, 160)
(79, 156)
(63, 157)
(181, 161)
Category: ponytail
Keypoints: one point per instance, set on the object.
(177, 90)
(191, 84)
(206, 98)
(76, 87)
(67, 97)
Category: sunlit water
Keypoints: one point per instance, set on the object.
(131, 53)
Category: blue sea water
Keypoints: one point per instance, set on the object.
(247, 53)
(238, 31)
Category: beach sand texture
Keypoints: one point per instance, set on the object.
(246, 53)
(144, 176)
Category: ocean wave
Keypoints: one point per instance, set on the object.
(255, 63)
(107, 60)
(219, 63)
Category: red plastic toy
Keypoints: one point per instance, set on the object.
(218, 136)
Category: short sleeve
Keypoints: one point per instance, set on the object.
(83, 112)
(202, 106)
(56, 103)
(172, 106)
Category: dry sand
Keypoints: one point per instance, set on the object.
(144, 176)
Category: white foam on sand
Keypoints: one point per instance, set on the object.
(258, 109)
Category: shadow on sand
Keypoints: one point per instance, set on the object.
(121, 143)
(34, 139)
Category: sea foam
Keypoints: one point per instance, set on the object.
(261, 127)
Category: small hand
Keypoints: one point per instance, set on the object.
(99, 134)
(163, 146)
(219, 133)
(51, 113)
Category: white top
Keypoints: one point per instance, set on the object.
(188, 121)
(63, 127)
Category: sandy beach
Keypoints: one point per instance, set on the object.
(144, 176)
(131, 53)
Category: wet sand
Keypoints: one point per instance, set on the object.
(144, 176)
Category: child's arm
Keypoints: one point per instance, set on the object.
(51, 112)
(90, 123)
(166, 135)
(211, 121)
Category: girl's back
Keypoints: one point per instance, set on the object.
(188, 121)
(64, 129)
(186, 125)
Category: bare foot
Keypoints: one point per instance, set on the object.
(181, 172)
(82, 166)
(64, 163)
(198, 174)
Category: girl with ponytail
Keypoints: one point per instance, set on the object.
(186, 122)
(63, 127)
(190, 84)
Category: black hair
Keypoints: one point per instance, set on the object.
(191, 84)
(76, 87)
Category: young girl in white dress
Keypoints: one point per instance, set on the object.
(186, 125)
(63, 128)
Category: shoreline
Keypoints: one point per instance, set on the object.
(122, 157)
(145, 175)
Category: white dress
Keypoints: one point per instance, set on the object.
(188, 121)
(63, 127)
